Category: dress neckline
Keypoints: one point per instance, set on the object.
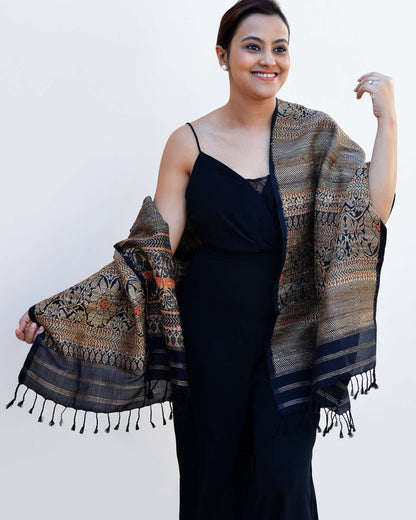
(229, 168)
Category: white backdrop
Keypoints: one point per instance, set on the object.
(89, 92)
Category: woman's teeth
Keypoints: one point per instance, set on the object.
(264, 74)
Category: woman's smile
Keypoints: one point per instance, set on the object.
(265, 76)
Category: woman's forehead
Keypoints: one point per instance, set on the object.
(267, 25)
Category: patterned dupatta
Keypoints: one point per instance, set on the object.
(113, 342)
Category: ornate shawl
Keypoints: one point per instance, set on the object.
(113, 342)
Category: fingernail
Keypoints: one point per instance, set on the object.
(32, 325)
(41, 329)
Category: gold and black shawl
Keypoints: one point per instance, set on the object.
(113, 342)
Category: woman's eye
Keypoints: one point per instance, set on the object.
(252, 46)
(280, 49)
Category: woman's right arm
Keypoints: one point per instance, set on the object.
(176, 163)
(175, 167)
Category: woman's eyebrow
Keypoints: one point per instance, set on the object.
(260, 40)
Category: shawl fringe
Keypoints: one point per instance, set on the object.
(103, 415)
(359, 384)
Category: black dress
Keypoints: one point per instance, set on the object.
(227, 315)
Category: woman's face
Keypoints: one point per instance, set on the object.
(258, 59)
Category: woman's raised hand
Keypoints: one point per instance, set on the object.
(381, 90)
(28, 330)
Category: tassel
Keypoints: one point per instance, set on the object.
(61, 421)
(352, 385)
(116, 427)
(375, 385)
(366, 383)
(14, 397)
(358, 390)
(341, 435)
(326, 423)
(128, 422)
(362, 384)
(20, 403)
(373, 382)
(34, 402)
(107, 430)
(171, 411)
(350, 424)
(352, 421)
(73, 424)
(40, 418)
(151, 422)
(51, 422)
(332, 420)
(96, 423)
(137, 422)
(163, 414)
(83, 424)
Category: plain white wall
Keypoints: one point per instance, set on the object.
(89, 92)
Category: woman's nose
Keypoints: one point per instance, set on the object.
(267, 58)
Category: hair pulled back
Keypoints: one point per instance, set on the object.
(240, 10)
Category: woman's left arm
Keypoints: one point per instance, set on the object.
(383, 168)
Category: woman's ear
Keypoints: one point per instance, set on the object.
(222, 56)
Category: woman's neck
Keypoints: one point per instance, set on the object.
(243, 112)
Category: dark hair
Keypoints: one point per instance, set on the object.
(236, 14)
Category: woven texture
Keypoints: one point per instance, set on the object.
(113, 342)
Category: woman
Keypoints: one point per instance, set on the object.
(245, 447)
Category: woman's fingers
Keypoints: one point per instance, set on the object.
(28, 330)
(380, 88)
(24, 321)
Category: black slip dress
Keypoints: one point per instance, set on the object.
(236, 461)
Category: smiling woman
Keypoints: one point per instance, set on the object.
(245, 294)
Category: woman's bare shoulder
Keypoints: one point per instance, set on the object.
(181, 147)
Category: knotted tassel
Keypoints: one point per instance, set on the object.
(326, 423)
(340, 433)
(151, 422)
(138, 417)
(107, 430)
(163, 414)
(116, 427)
(20, 403)
(171, 410)
(74, 423)
(40, 418)
(373, 376)
(83, 424)
(33, 405)
(51, 422)
(14, 397)
(96, 423)
(128, 422)
(352, 385)
(61, 421)
(352, 421)
(362, 384)
(375, 385)
(366, 383)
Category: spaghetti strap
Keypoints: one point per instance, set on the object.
(196, 137)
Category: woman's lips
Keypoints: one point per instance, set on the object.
(265, 76)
